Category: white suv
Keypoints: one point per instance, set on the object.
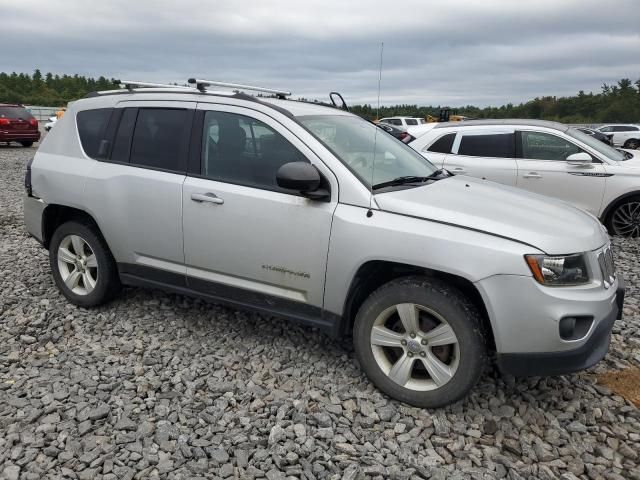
(543, 157)
(403, 122)
(313, 214)
(627, 136)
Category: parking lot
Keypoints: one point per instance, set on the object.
(162, 386)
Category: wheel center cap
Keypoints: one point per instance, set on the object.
(414, 346)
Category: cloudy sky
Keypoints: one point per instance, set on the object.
(454, 52)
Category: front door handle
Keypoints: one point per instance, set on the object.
(532, 175)
(207, 197)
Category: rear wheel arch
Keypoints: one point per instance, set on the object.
(55, 215)
(373, 274)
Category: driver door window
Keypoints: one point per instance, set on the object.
(543, 169)
(244, 151)
(544, 146)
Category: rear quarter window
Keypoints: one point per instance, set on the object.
(443, 144)
(91, 128)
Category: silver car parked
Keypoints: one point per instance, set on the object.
(310, 213)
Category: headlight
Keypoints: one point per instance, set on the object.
(559, 270)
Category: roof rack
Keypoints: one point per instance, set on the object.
(131, 84)
(203, 84)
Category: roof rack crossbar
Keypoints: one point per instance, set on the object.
(203, 84)
(131, 84)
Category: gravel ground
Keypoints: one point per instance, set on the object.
(162, 386)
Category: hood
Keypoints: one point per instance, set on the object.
(550, 225)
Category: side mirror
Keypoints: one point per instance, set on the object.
(581, 159)
(302, 177)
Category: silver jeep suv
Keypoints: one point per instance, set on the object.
(307, 212)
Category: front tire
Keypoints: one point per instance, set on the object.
(632, 144)
(624, 220)
(420, 341)
(82, 265)
(27, 144)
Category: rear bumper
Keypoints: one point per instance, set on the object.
(33, 210)
(567, 361)
(19, 136)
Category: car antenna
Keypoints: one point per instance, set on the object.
(375, 135)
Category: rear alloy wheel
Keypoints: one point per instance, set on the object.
(420, 341)
(82, 265)
(625, 219)
(632, 144)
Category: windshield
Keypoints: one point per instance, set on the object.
(352, 140)
(609, 152)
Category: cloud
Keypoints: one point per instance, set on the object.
(435, 52)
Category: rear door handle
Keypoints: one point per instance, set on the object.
(532, 175)
(207, 197)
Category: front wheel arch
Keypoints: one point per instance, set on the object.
(606, 213)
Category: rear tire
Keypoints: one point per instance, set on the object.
(82, 265)
(27, 144)
(420, 341)
(624, 219)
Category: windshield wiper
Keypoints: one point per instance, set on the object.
(408, 179)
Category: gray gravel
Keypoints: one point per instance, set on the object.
(163, 386)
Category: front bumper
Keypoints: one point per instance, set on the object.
(581, 358)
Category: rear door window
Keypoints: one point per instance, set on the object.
(123, 136)
(91, 128)
(499, 145)
(159, 138)
(411, 121)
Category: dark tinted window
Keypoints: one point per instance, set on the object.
(394, 121)
(243, 150)
(625, 129)
(91, 127)
(122, 140)
(411, 121)
(544, 146)
(606, 129)
(158, 138)
(443, 144)
(15, 112)
(496, 145)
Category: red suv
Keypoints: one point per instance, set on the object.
(18, 125)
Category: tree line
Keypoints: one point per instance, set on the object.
(49, 90)
(614, 103)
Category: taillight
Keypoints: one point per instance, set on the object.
(4, 121)
(27, 178)
(33, 122)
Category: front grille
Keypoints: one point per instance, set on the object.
(607, 267)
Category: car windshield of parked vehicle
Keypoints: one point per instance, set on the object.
(358, 143)
(602, 148)
(15, 112)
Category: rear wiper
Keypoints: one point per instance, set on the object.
(408, 179)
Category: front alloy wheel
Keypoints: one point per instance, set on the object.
(77, 265)
(415, 346)
(420, 340)
(625, 219)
